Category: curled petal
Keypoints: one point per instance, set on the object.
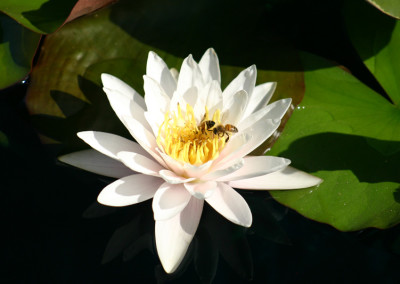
(230, 204)
(169, 200)
(288, 178)
(129, 190)
(95, 162)
(173, 236)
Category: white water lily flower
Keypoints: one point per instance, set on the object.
(187, 148)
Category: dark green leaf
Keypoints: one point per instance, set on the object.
(327, 135)
(17, 48)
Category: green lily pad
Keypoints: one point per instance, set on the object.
(330, 135)
(377, 40)
(41, 16)
(17, 48)
(65, 94)
(390, 7)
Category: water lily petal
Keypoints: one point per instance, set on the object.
(173, 178)
(209, 66)
(288, 178)
(218, 173)
(230, 204)
(173, 236)
(172, 164)
(201, 190)
(158, 70)
(234, 107)
(95, 162)
(124, 100)
(155, 120)
(276, 110)
(260, 97)
(244, 81)
(140, 163)
(169, 200)
(256, 134)
(196, 171)
(114, 84)
(144, 137)
(155, 97)
(254, 166)
(213, 94)
(129, 190)
(189, 76)
(110, 144)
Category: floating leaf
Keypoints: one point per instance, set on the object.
(326, 135)
(377, 40)
(17, 48)
(390, 7)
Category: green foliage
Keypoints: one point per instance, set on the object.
(390, 7)
(41, 16)
(348, 135)
(17, 48)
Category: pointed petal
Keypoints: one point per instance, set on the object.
(173, 236)
(288, 178)
(260, 97)
(113, 83)
(257, 166)
(189, 76)
(209, 66)
(201, 190)
(169, 200)
(276, 110)
(173, 178)
(234, 107)
(244, 81)
(95, 162)
(129, 190)
(230, 204)
(155, 97)
(158, 70)
(110, 144)
(123, 99)
(140, 163)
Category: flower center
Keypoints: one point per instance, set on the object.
(184, 140)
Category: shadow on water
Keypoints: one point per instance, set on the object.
(96, 115)
(259, 32)
(334, 151)
(50, 15)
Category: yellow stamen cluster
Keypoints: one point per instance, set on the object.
(184, 140)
